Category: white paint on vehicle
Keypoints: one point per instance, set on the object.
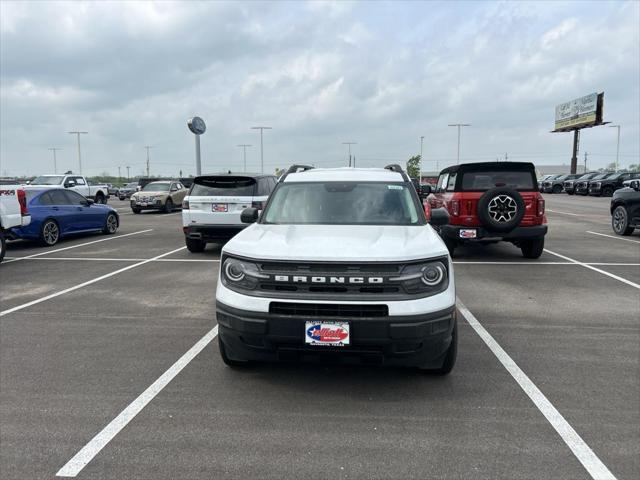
(591, 267)
(614, 237)
(84, 284)
(114, 237)
(97, 443)
(100, 259)
(578, 446)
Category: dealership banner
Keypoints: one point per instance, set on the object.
(577, 113)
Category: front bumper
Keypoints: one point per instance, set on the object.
(413, 340)
(155, 205)
(211, 232)
(482, 234)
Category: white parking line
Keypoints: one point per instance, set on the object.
(580, 449)
(578, 214)
(614, 237)
(98, 259)
(84, 284)
(590, 267)
(97, 443)
(114, 237)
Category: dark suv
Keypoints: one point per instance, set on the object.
(555, 184)
(490, 202)
(625, 209)
(570, 185)
(582, 186)
(607, 186)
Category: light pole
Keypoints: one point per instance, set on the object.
(261, 146)
(119, 175)
(147, 147)
(55, 161)
(79, 154)
(197, 127)
(617, 145)
(349, 144)
(420, 172)
(459, 125)
(128, 178)
(244, 148)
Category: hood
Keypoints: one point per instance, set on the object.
(337, 242)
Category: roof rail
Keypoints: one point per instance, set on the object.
(394, 167)
(294, 169)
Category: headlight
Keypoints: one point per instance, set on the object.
(241, 273)
(430, 277)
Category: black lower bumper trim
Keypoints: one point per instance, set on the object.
(518, 233)
(212, 232)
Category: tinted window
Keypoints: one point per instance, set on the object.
(75, 198)
(48, 180)
(58, 197)
(226, 186)
(482, 181)
(442, 181)
(79, 180)
(348, 203)
(451, 182)
(44, 199)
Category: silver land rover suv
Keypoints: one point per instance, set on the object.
(343, 264)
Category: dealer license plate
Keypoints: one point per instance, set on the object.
(333, 334)
(219, 207)
(143, 204)
(468, 233)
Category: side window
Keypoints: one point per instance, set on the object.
(79, 180)
(173, 186)
(58, 197)
(74, 198)
(45, 199)
(451, 183)
(263, 187)
(442, 182)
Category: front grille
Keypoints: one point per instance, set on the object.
(328, 310)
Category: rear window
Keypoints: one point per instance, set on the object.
(482, 181)
(223, 187)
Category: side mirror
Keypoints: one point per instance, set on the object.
(439, 217)
(635, 184)
(425, 191)
(249, 215)
(89, 202)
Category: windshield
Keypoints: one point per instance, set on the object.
(614, 176)
(156, 187)
(224, 186)
(601, 176)
(131, 185)
(48, 180)
(348, 203)
(482, 181)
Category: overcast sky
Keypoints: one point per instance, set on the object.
(379, 74)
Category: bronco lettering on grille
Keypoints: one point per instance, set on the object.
(305, 279)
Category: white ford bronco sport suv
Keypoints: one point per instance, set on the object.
(342, 264)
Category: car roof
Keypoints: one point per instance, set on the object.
(345, 174)
(493, 166)
(233, 174)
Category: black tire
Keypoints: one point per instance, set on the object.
(111, 224)
(607, 191)
(100, 199)
(450, 357)
(168, 206)
(135, 210)
(194, 245)
(620, 221)
(49, 233)
(556, 189)
(501, 209)
(3, 246)
(571, 192)
(451, 245)
(122, 198)
(229, 361)
(532, 248)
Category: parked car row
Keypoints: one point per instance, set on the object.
(592, 183)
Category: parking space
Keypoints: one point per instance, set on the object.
(71, 365)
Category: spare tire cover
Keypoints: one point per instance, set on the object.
(501, 209)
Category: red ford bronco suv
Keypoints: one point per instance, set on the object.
(489, 202)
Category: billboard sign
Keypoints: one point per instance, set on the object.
(581, 112)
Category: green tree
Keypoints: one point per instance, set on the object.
(634, 167)
(413, 167)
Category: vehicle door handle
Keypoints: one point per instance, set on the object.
(55, 208)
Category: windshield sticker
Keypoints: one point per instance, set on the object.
(394, 187)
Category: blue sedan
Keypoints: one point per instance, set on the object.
(56, 213)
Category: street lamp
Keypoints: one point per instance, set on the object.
(244, 148)
(55, 162)
(420, 172)
(261, 146)
(459, 125)
(617, 145)
(79, 154)
(349, 144)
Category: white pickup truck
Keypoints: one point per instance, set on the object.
(78, 183)
(13, 212)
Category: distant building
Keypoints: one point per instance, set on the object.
(557, 169)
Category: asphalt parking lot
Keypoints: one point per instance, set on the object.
(118, 332)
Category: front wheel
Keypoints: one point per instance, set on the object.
(168, 206)
(100, 199)
(570, 193)
(532, 248)
(229, 361)
(135, 210)
(607, 192)
(450, 356)
(111, 224)
(194, 245)
(49, 233)
(620, 221)
(557, 189)
(3, 246)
